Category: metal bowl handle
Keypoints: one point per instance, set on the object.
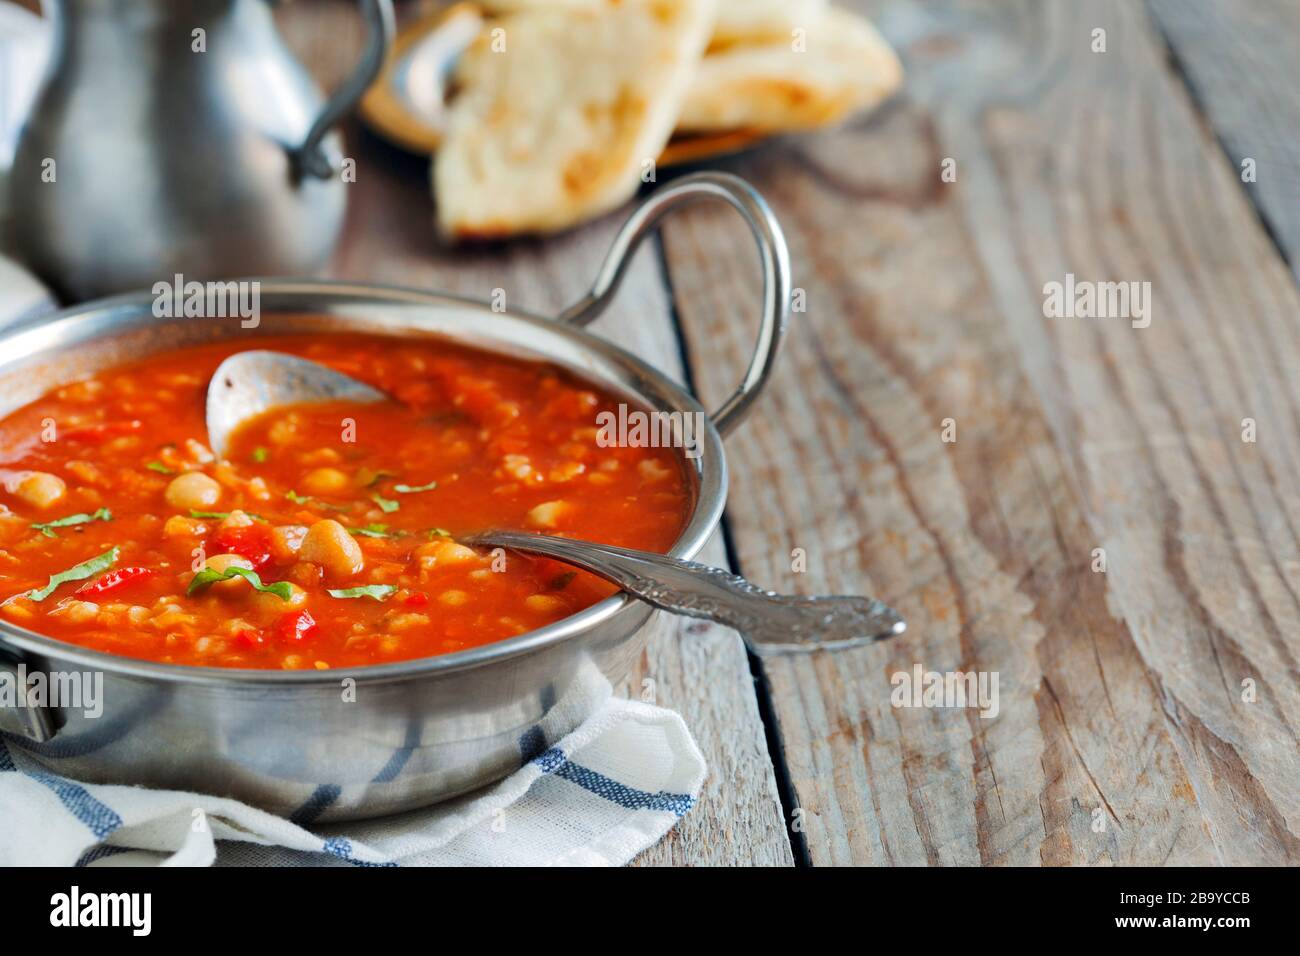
(771, 249)
(310, 158)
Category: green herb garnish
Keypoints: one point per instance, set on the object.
(376, 531)
(413, 489)
(377, 591)
(439, 533)
(160, 468)
(386, 504)
(86, 569)
(222, 515)
(260, 454)
(314, 502)
(46, 527)
(368, 477)
(209, 576)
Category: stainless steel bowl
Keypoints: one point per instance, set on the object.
(365, 741)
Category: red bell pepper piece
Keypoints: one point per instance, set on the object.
(416, 599)
(114, 580)
(251, 541)
(250, 639)
(296, 626)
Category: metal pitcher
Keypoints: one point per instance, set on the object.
(179, 136)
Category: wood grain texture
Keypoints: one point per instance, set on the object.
(1241, 61)
(699, 670)
(1122, 734)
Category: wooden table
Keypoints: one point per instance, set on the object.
(1148, 713)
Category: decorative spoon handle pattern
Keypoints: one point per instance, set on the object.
(766, 620)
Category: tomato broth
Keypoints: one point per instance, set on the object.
(328, 535)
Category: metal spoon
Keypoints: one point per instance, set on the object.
(249, 383)
(768, 622)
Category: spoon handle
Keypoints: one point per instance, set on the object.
(766, 620)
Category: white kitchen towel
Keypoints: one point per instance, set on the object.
(599, 797)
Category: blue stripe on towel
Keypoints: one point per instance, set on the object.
(342, 848)
(555, 762)
(623, 795)
(551, 760)
(99, 852)
(99, 818)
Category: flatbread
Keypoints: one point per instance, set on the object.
(530, 6)
(560, 126)
(757, 21)
(738, 21)
(845, 67)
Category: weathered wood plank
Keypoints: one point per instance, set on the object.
(1120, 692)
(1240, 60)
(701, 671)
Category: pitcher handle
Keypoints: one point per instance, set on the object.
(772, 251)
(310, 158)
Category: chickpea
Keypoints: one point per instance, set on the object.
(325, 481)
(304, 573)
(257, 489)
(566, 472)
(444, 552)
(652, 470)
(192, 490)
(18, 611)
(199, 452)
(224, 562)
(517, 466)
(547, 514)
(78, 612)
(286, 541)
(283, 431)
(328, 544)
(268, 606)
(236, 519)
(85, 472)
(543, 603)
(209, 645)
(406, 622)
(180, 527)
(40, 488)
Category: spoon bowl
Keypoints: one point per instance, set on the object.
(249, 383)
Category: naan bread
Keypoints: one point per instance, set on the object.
(560, 126)
(845, 66)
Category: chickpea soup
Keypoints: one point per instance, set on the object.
(328, 536)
